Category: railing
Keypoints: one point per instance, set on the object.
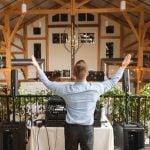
(28, 107)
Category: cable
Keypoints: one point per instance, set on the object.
(37, 138)
(48, 139)
(55, 139)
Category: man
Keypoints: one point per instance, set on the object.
(80, 98)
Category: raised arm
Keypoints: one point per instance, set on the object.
(49, 84)
(108, 84)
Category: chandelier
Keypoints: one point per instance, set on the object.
(73, 39)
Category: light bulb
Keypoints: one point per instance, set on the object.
(24, 7)
(123, 5)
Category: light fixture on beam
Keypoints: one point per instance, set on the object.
(123, 5)
(23, 7)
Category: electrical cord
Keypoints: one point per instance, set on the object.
(37, 141)
(37, 137)
(55, 139)
(48, 139)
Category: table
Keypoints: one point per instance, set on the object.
(52, 138)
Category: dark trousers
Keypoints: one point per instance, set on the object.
(79, 134)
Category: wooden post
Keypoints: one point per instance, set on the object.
(8, 53)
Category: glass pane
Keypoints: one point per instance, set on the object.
(37, 50)
(55, 18)
(109, 49)
(82, 17)
(64, 37)
(90, 38)
(90, 17)
(64, 17)
(56, 38)
(110, 29)
(36, 30)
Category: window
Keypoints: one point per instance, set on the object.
(90, 17)
(81, 17)
(36, 30)
(37, 50)
(64, 17)
(110, 29)
(85, 17)
(2, 61)
(109, 49)
(60, 18)
(58, 38)
(55, 18)
(87, 38)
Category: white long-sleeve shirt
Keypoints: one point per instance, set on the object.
(80, 97)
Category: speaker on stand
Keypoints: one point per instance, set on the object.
(128, 136)
(126, 88)
(14, 89)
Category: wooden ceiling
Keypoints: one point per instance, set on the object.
(106, 7)
(136, 17)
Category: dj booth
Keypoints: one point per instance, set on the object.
(50, 133)
(46, 138)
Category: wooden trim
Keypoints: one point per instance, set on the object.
(99, 44)
(47, 42)
(110, 37)
(121, 40)
(36, 38)
(69, 25)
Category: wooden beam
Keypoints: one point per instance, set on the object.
(15, 52)
(110, 37)
(4, 2)
(47, 42)
(35, 38)
(1, 27)
(131, 25)
(73, 7)
(131, 44)
(104, 10)
(62, 3)
(17, 46)
(99, 43)
(82, 3)
(17, 26)
(74, 10)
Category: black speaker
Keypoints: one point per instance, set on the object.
(12, 137)
(126, 81)
(14, 83)
(129, 137)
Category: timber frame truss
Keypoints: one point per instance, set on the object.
(71, 7)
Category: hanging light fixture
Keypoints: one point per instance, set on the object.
(23, 7)
(123, 5)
